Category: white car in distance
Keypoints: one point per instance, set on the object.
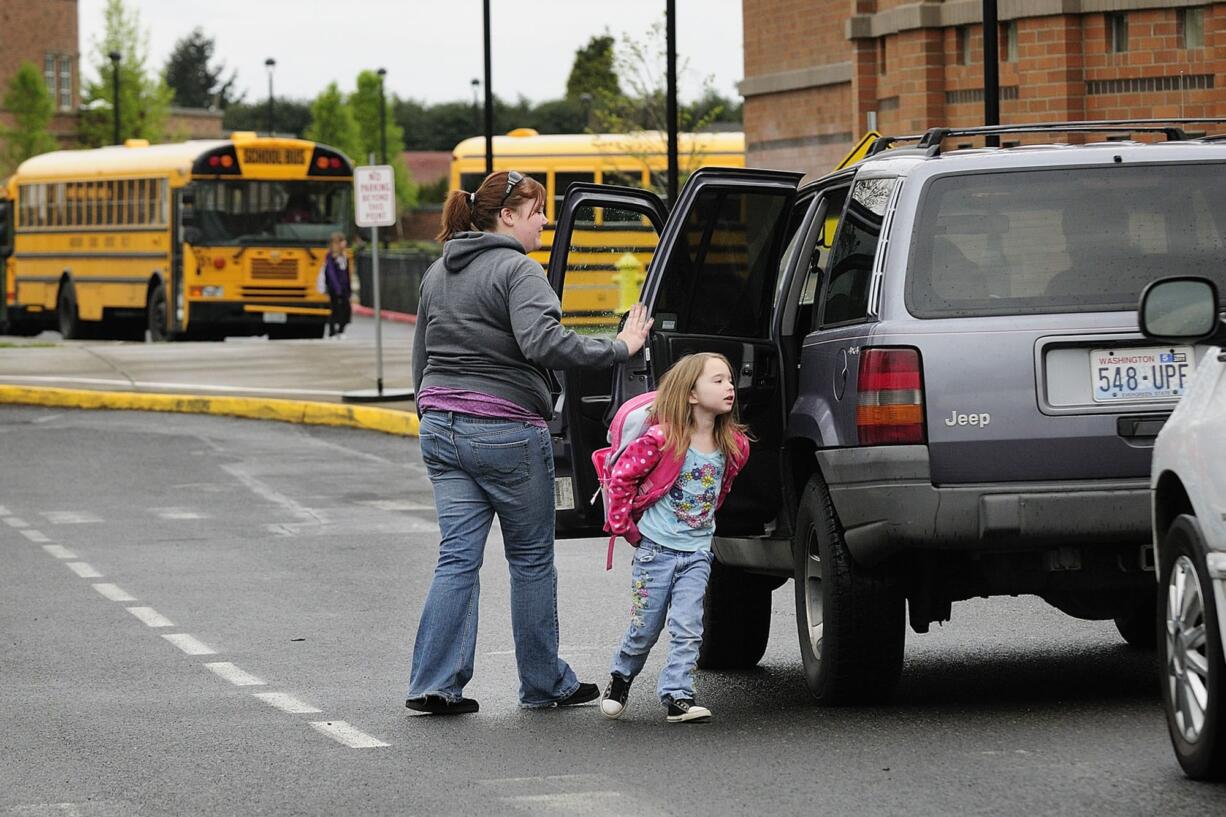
(1189, 518)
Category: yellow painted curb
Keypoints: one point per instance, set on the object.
(371, 418)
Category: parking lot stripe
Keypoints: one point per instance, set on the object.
(234, 675)
(4, 511)
(70, 517)
(84, 570)
(111, 591)
(342, 732)
(150, 617)
(59, 551)
(189, 644)
(16, 522)
(286, 703)
(35, 536)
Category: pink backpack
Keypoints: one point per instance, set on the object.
(630, 422)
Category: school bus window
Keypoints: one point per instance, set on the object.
(612, 215)
(134, 191)
(61, 207)
(469, 182)
(561, 182)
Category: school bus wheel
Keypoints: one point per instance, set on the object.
(155, 312)
(67, 316)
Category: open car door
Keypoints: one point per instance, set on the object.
(604, 242)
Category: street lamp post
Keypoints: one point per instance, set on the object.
(476, 83)
(382, 72)
(270, 64)
(489, 97)
(670, 33)
(114, 57)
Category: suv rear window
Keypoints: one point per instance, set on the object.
(1063, 240)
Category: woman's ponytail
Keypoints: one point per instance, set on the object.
(479, 210)
(457, 215)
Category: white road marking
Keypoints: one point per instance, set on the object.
(35, 536)
(4, 511)
(177, 513)
(138, 385)
(286, 703)
(59, 551)
(16, 522)
(84, 570)
(398, 505)
(113, 592)
(260, 489)
(342, 732)
(234, 675)
(579, 804)
(70, 517)
(48, 418)
(189, 644)
(151, 617)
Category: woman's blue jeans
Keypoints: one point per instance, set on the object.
(480, 467)
(666, 586)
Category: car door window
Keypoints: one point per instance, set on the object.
(721, 276)
(855, 251)
(819, 259)
(609, 250)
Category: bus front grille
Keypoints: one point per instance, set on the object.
(265, 269)
(273, 292)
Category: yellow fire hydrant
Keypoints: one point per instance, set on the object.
(629, 278)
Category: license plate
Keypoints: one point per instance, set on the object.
(275, 317)
(1149, 373)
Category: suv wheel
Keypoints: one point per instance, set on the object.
(1139, 626)
(736, 619)
(1193, 670)
(851, 620)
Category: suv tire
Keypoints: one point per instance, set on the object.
(1190, 631)
(736, 619)
(851, 620)
(1139, 626)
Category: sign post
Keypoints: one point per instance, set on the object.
(374, 188)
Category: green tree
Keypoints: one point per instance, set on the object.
(364, 103)
(593, 70)
(196, 83)
(292, 116)
(332, 123)
(143, 97)
(31, 106)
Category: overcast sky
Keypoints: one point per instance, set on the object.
(432, 49)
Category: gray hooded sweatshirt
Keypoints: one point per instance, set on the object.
(489, 322)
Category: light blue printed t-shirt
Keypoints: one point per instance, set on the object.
(684, 518)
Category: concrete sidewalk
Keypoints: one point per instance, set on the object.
(293, 380)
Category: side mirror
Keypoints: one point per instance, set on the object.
(1180, 309)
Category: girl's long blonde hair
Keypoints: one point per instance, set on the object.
(672, 410)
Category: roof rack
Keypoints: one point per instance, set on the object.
(931, 140)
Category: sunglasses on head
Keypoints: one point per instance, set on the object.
(513, 178)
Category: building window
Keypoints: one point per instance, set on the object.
(964, 44)
(1191, 26)
(49, 73)
(65, 83)
(1117, 32)
(1008, 41)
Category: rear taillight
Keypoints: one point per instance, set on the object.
(891, 397)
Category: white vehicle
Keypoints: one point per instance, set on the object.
(1189, 484)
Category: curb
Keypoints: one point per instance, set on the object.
(369, 418)
(387, 314)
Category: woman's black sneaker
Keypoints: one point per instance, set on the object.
(438, 705)
(582, 695)
(686, 711)
(613, 704)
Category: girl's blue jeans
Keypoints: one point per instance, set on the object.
(666, 587)
(479, 467)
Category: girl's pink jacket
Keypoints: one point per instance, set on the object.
(644, 473)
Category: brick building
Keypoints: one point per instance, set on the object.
(818, 73)
(43, 32)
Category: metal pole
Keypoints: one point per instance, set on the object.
(489, 98)
(270, 64)
(991, 69)
(374, 279)
(382, 119)
(115, 57)
(670, 26)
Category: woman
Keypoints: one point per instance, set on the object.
(488, 330)
(337, 284)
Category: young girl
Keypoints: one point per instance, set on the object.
(692, 453)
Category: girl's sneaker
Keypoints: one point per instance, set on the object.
(615, 695)
(686, 711)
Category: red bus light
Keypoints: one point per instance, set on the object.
(335, 163)
(891, 397)
(214, 161)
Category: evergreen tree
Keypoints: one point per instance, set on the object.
(364, 103)
(593, 70)
(143, 97)
(290, 116)
(332, 123)
(196, 83)
(31, 106)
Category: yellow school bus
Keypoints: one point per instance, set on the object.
(611, 251)
(197, 239)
